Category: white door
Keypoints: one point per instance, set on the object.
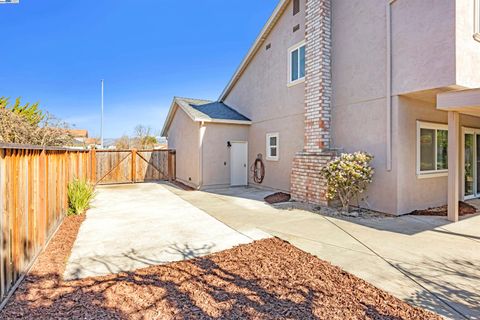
(238, 164)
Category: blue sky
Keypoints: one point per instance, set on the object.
(56, 52)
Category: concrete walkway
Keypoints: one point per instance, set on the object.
(423, 260)
(134, 226)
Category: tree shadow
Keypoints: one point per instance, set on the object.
(247, 282)
(133, 259)
(455, 281)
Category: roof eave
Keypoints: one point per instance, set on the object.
(171, 113)
(275, 16)
(226, 121)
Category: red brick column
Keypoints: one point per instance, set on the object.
(306, 182)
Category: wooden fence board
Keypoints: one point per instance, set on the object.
(33, 193)
(33, 202)
(130, 166)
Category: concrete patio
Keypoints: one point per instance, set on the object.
(426, 261)
(134, 226)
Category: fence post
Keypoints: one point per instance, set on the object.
(171, 165)
(134, 165)
(3, 234)
(93, 169)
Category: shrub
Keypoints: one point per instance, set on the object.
(80, 194)
(348, 176)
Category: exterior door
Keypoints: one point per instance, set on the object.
(238, 163)
(471, 163)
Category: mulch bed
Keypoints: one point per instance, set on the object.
(463, 209)
(277, 198)
(183, 186)
(268, 279)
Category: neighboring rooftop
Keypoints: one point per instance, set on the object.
(78, 133)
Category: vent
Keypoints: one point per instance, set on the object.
(296, 28)
(268, 46)
(296, 6)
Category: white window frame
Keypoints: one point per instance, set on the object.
(429, 173)
(476, 32)
(268, 146)
(290, 50)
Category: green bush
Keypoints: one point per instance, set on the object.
(80, 194)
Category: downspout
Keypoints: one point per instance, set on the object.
(389, 85)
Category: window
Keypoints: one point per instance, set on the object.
(432, 148)
(296, 6)
(297, 63)
(476, 34)
(272, 146)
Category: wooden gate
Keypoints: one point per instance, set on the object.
(132, 166)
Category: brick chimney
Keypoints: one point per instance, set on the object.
(306, 182)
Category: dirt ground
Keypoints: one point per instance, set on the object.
(463, 210)
(268, 279)
(278, 197)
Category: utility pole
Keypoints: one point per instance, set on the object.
(101, 122)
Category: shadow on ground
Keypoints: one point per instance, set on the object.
(269, 280)
(441, 277)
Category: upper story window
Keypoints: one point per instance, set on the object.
(296, 6)
(432, 148)
(297, 63)
(476, 34)
(272, 146)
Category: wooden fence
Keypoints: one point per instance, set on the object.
(132, 166)
(33, 193)
(33, 201)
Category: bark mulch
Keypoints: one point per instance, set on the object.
(183, 186)
(463, 209)
(268, 279)
(277, 198)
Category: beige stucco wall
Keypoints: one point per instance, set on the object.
(423, 44)
(216, 154)
(467, 48)
(358, 104)
(183, 136)
(425, 56)
(418, 192)
(262, 95)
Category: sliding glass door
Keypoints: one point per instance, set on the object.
(471, 163)
(469, 168)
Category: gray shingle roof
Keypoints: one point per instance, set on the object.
(210, 110)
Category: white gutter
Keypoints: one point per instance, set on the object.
(389, 85)
(279, 9)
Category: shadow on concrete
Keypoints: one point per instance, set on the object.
(131, 260)
(442, 277)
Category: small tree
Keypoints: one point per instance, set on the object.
(348, 176)
(143, 137)
(29, 112)
(123, 143)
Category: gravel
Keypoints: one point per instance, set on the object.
(268, 279)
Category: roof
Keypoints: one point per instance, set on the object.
(78, 133)
(204, 111)
(272, 21)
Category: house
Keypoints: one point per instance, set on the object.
(79, 135)
(201, 132)
(398, 79)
